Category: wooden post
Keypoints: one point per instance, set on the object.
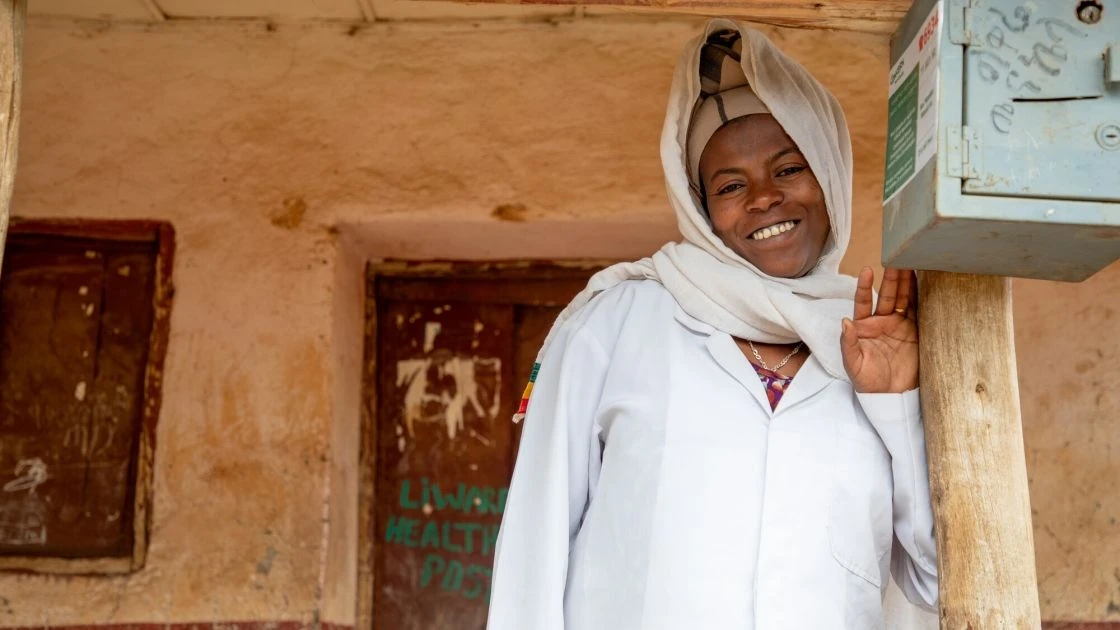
(977, 465)
(12, 16)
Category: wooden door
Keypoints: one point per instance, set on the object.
(76, 317)
(452, 354)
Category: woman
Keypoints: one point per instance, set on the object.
(727, 435)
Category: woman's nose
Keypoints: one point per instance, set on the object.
(764, 197)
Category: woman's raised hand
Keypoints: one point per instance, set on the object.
(880, 342)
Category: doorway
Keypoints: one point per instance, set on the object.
(448, 350)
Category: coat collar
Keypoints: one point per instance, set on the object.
(810, 379)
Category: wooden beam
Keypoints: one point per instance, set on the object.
(977, 465)
(13, 13)
(872, 16)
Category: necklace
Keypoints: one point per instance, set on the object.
(780, 364)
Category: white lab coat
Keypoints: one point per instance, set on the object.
(663, 493)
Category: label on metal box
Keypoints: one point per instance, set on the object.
(912, 107)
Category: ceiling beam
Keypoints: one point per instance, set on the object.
(871, 16)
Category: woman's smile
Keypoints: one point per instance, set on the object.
(772, 231)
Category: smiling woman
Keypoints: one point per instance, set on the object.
(658, 387)
(762, 198)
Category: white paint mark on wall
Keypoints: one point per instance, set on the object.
(30, 474)
(88, 309)
(481, 438)
(23, 522)
(80, 391)
(91, 440)
(124, 271)
(401, 443)
(431, 330)
(478, 326)
(83, 290)
(451, 403)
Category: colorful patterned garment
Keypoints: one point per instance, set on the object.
(774, 383)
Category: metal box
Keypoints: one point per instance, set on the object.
(1003, 143)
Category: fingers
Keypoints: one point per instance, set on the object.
(888, 293)
(849, 347)
(863, 297)
(906, 292)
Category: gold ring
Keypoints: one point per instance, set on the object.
(900, 311)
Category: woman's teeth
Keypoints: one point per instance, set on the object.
(773, 230)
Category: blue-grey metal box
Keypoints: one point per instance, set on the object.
(1003, 149)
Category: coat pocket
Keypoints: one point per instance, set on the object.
(860, 520)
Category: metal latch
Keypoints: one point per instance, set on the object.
(960, 21)
(962, 152)
(1112, 64)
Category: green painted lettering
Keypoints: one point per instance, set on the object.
(430, 536)
(502, 494)
(489, 539)
(444, 501)
(407, 502)
(447, 544)
(488, 503)
(469, 530)
(401, 530)
(474, 500)
(433, 564)
(480, 576)
(453, 576)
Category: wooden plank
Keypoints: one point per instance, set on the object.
(870, 16)
(12, 17)
(158, 340)
(977, 465)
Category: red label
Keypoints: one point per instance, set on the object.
(931, 28)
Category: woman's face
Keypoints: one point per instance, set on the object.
(764, 202)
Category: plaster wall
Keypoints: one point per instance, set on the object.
(288, 155)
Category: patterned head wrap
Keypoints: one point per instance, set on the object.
(724, 96)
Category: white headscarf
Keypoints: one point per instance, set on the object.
(713, 283)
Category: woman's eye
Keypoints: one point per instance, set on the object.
(730, 188)
(790, 170)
